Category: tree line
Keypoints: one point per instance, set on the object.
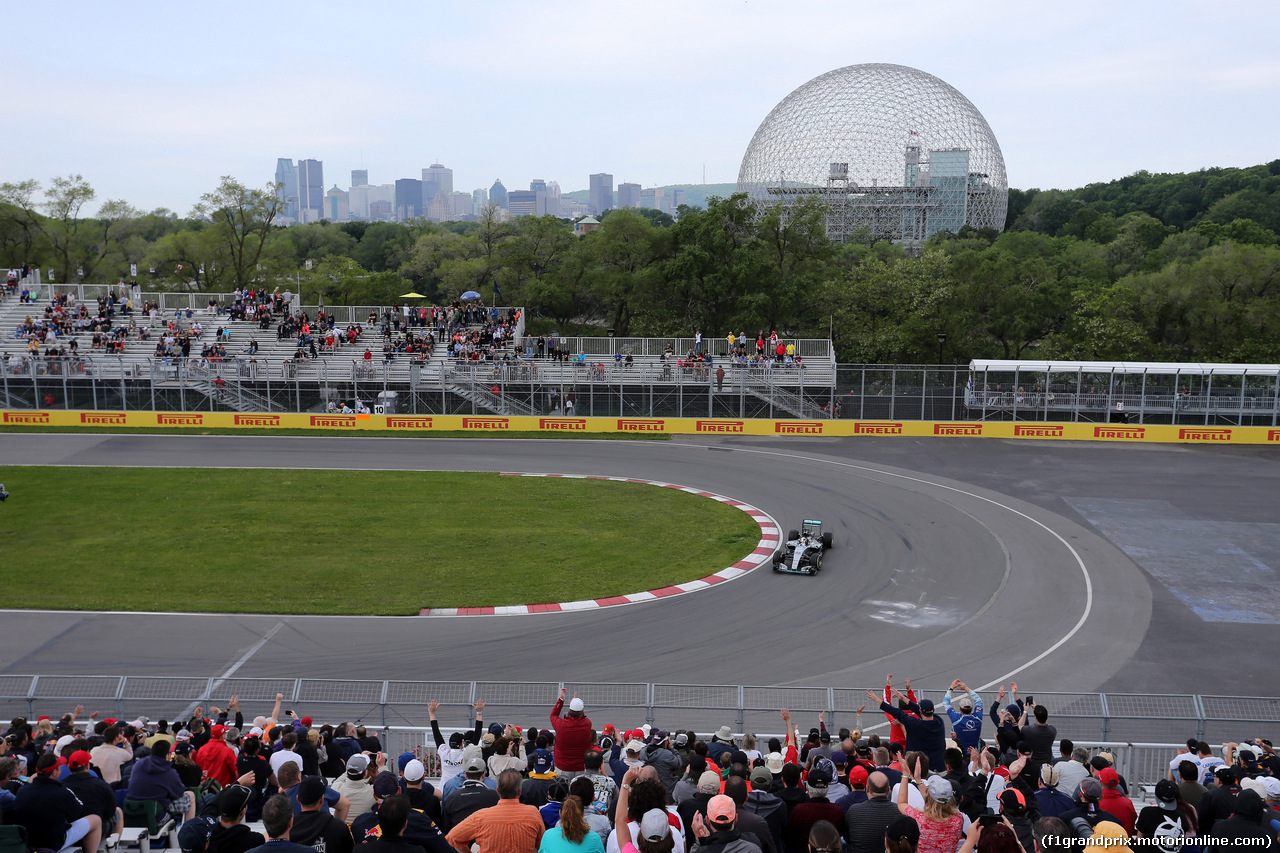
(1151, 267)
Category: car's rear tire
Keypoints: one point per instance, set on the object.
(793, 535)
(828, 540)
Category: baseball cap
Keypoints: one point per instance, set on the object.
(218, 731)
(403, 759)
(657, 736)
(858, 775)
(543, 761)
(195, 834)
(761, 777)
(634, 745)
(773, 761)
(385, 785)
(414, 771)
(1011, 798)
(233, 800)
(1109, 776)
(78, 759)
(654, 825)
(1099, 763)
(682, 739)
(310, 790)
(824, 737)
(487, 739)
(497, 729)
(819, 779)
(306, 721)
(903, 827)
(926, 707)
(184, 734)
(1049, 775)
(1167, 794)
(965, 704)
(1272, 784)
(475, 764)
(838, 759)
(357, 764)
(61, 743)
(1090, 788)
(1107, 757)
(721, 810)
(575, 704)
(709, 782)
(939, 789)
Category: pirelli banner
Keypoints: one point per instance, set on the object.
(426, 424)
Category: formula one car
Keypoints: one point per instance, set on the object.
(802, 552)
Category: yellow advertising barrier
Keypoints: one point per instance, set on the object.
(1150, 433)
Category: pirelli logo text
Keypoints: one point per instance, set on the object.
(1204, 434)
(1273, 435)
(1032, 431)
(104, 419)
(339, 421)
(180, 420)
(405, 422)
(486, 423)
(720, 426)
(257, 420)
(957, 429)
(798, 427)
(573, 424)
(641, 425)
(26, 417)
(1119, 432)
(873, 428)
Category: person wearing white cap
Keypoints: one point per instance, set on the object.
(573, 736)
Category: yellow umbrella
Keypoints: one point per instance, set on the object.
(412, 295)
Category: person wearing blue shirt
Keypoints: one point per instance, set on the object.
(965, 714)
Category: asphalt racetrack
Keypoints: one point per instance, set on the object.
(1063, 566)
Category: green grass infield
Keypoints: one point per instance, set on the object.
(346, 542)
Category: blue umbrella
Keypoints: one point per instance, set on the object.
(470, 294)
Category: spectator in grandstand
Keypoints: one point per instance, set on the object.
(1072, 772)
(1039, 734)
(583, 791)
(1168, 821)
(154, 778)
(313, 826)
(216, 758)
(395, 820)
(573, 736)
(719, 832)
(1007, 720)
(1051, 801)
(816, 808)
(508, 827)
(722, 742)
(771, 809)
(1219, 801)
(541, 774)
(94, 794)
(51, 814)
(925, 733)
(706, 786)
(451, 752)
(1114, 801)
(354, 784)
(277, 822)
(1087, 814)
(1019, 814)
(901, 835)
(232, 834)
(571, 833)
(940, 821)
(965, 713)
(421, 793)
(112, 754)
(750, 825)
(603, 784)
(508, 752)
(658, 755)
(290, 780)
(469, 798)
(1246, 822)
(865, 822)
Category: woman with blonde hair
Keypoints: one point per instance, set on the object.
(940, 822)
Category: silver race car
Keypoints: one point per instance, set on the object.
(802, 552)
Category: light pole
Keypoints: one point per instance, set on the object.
(942, 340)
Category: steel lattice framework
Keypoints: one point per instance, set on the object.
(894, 152)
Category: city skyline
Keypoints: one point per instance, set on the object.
(1084, 93)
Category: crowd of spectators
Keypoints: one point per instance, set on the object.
(998, 781)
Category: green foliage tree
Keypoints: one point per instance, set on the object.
(241, 221)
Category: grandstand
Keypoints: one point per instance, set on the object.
(601, 376)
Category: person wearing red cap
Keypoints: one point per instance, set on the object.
(1115, 803)
(95, 794)
(216, 759)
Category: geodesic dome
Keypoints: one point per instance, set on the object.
(889, 148)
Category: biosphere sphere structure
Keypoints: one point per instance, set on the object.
(895, 154)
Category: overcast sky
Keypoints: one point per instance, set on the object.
(153, 101)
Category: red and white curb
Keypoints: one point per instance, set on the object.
(770, 534)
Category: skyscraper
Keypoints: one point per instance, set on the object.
(479, 198)
(628, 195)
(523, 202)
(441, 176)
(310, 190)
(359, 177)
(498, 194)
(408, 199)
(601, 194)
(336, 205)
(287, 190)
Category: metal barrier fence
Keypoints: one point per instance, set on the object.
(1110, 717)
